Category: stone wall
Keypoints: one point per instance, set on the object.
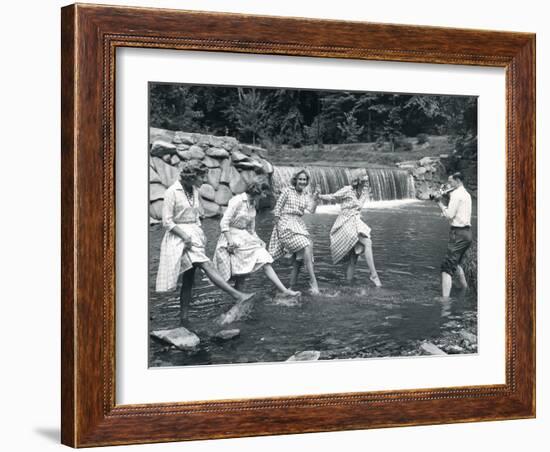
(428, 174)
(231, 165)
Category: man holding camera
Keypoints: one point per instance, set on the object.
(458, 212)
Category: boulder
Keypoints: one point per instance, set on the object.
(160, 134)
(229, 143)
(217, 153)
(249, 165)
(160, 148)
(466, 335)
(236, 183)
(194, 152)
(153, 176)
(238, 156)
(184, 138)
(167, 158)
(180, 337)
(425, 161)
(419, 171)
(213, 177)
(207, 192)
(248, 176)
(308, 355)
(431, 349)
(156, 191)
(167, 174)
(267, 167)
(174, 160)
(181, 148)
(225, 335)
(223, 195)
(226, 171)
(210, 209)
(210, 162)
(155, 209)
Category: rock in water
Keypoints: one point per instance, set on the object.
(180, 337)
(431, 349)
(237, 312)
(472, 338)
(308, 355)
(225, 335)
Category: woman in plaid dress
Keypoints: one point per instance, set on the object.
(240, 251)
(182, 249)
(350, 236)
(290, 235)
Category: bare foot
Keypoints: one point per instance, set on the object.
(376, 280)
(292, 293)
(314, 290)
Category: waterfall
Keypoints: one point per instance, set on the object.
(385, 183)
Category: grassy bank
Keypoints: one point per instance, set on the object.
(359, 154)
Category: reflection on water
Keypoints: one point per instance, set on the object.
(357, 321)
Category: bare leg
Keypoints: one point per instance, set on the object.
(188, 280)
(308, 262)
(367, 243)
(217, 280)
(239, 282)
(296, 266)
(446, 284)
(270, 273)
(350, 271)
(461, 277)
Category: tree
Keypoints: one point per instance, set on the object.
(249, 115)
(174, 107)
(350, 129)
(390, 108)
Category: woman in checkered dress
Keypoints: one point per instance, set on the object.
(240, 251)
(182, 249)
(350, 236)
(290, 235)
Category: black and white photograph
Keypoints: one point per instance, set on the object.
(291, 224)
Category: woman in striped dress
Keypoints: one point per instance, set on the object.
(350, 236)
(290, 235)
(240, 251)
(182, 249)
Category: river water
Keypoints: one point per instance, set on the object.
(344, 322)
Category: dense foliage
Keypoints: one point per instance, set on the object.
(293, 117)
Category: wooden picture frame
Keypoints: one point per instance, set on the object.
(90, 36)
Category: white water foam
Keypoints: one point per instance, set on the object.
(389, 204)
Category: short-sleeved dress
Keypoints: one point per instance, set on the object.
(348, 227)
(290, 234)
(183, 211)
(250, 254)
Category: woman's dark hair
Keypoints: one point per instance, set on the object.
(294, 179)
(257, 187)
(458, 176)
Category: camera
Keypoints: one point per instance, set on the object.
(442, 191)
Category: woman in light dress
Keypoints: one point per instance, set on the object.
(290, 235)
(350, 236)
(182, 249)
(240, 251)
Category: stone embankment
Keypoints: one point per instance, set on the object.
(231, 165)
